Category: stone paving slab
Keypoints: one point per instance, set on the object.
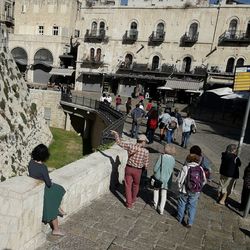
(107, 224)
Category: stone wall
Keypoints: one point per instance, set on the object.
(22, 126)
(21, 198)
(48, 103)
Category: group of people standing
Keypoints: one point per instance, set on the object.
(171, 124)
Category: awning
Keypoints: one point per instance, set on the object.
(164, 88)
(184, 84)
(220, 80)
(21, 61)
(61, 72)
(221, 91)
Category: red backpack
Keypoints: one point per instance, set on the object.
(153, 123)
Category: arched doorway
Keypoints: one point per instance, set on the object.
(186, 66)
(230, 65)
(133, 30)
(43, 61)
(233, 28)
(160, 30)
(248, 30)
(94, 28)
(240, 62)
(193, 29)
(102, 28)
(128, 61)
(21, 59)
(155, 63)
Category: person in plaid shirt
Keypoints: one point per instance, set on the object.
(138, 157)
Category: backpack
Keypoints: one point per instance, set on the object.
(153, 123)
(194, 179)
(172, 125)
(192, 129)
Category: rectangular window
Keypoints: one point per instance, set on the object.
(40, 30)
(55, 31)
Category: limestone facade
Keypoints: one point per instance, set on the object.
(42, 33)
(210, 24)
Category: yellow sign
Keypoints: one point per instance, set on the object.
(242, 78)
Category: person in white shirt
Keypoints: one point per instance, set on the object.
(188, 122)
(103, 97)
(109, 99)
(163, 119)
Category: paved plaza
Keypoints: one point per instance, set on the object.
(108, 224)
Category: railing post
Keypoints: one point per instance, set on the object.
(247, 209)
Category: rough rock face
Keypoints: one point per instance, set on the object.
(22, 127)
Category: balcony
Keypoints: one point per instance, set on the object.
(130, 37)
(91, 63)
(238, 38)
(95, 36)
(188, 40)
(156, 38)
(9, 21)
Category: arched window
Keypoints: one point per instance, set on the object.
(240, 62)
(128, 61)
(160, 30)
(230, 65)
(43, 56)
(233, 28)
(92, 54)
(133, 26)
(102, 28)
(93, 28)
(248, 30)
(186, 66)
(98, 55)
(193, 30)
(155, 62)
(20, 55)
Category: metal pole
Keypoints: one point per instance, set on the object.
(244, 126)
(247, 207)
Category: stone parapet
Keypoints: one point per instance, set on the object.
(21, 198)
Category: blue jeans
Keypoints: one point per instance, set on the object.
(185, 138)
(169, 136)
(150, 135)
(187, 202)
(135, 130)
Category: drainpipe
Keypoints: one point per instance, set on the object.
(216, 24)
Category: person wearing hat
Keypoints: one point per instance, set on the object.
(138, 157)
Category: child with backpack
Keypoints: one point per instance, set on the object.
(190, 182)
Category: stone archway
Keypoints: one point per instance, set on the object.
(21, 58)
(43, 61)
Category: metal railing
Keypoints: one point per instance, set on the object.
(235, 36)
(115, 119)
(189, 38)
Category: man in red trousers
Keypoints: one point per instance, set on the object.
(138, 157)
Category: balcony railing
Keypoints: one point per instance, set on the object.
(234, 38)
(189, 39)
(9, 21)
(95, 36)
(91, 63)
(130, 37)
(156, 38)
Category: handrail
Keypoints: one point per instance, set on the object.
(114, 118)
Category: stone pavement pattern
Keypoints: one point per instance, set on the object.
(107, 224)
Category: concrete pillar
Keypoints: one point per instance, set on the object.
(67, 122)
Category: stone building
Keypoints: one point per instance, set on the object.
(131, 48)
(41, 39)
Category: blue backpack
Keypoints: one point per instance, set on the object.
(194, 179)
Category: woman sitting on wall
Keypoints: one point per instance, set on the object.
(53, 193)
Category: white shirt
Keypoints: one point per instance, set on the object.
(102, 98)
(164, 118)
(186, 126)
(109, 99)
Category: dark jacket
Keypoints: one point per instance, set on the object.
(230, 164)
(246, 177)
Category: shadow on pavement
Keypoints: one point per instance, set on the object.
(245, 231)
